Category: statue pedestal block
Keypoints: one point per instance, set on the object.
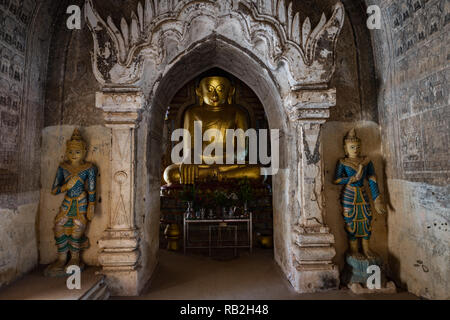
(357, 288)
(313, 260)
(120, 258)
(48, 272)
(356, 273)
(315, 278)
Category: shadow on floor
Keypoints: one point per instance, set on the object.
(248, 277)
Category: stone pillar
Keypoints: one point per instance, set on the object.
(119, 245)
(313, 249)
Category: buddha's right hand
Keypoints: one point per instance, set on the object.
(357, 176)
(188, 173)
(70, 184)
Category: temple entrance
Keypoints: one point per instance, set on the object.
(221, 217)
(139, 82)
(362, 120)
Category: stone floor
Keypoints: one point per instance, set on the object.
(256, 276)
(34, 286)
(192, 277)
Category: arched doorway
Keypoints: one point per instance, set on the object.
(207, 250)
(276, 120)
(140, 68)
(203, 195)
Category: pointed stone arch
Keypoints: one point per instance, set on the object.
(146, 58)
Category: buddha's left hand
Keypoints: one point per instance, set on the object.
(379, 206)
(90, 211)
(188, 173)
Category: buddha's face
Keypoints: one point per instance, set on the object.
(353, 149)
(215, 91)
(75, 154)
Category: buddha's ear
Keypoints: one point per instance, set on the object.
(198, 91)
(231, 94)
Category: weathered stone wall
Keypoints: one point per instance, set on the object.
(24, 26)
(354, 78)
(411, 56)
(147, 202)
(15, 23)
(411, 64)
(18, 243)
(71, 86)
(419, 237)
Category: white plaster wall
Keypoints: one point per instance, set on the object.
(281, 221)
(18, 241)
(332, 139)
(54, 140)
(419, 237)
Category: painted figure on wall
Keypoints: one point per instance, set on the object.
(77, 179)
(352, 171)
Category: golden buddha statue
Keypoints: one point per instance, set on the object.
(215, 111)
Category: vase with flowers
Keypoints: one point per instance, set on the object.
(188, 195)
(245, 193)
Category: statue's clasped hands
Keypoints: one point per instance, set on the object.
(69, 184)
(357, 176)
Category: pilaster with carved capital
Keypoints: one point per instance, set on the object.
(119, 245)
(313, 248)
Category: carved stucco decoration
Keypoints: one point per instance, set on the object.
(162, 30)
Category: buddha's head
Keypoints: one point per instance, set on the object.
(76, 148)
(352, 144)
(215, 91)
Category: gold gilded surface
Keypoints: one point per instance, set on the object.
(215, 111)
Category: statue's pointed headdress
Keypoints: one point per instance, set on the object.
(351, 137)
(76, 141)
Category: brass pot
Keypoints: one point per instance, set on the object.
(266, 241)
(172, 234)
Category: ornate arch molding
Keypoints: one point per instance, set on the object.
(146, 51)
(162, 30)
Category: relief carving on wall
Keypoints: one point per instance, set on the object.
(14, 22)
(420, 68)
(161, 30)
(120, 214)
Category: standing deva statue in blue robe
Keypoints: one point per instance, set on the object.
(351, 172)
(77, 179)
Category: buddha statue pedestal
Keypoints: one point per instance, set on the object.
(357, 272)
(173, 208)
